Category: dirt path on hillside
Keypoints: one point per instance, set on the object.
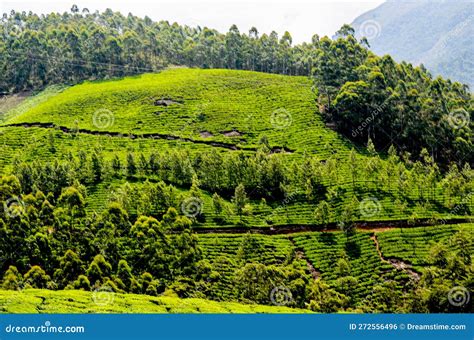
(300, 254)
(369, 226)
(229, 146)
(397, 263)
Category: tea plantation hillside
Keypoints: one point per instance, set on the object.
(185, 122)
(236, 108)
(220, 185)
(414, 245)
(359, 269)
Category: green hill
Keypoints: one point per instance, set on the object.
(201, 105)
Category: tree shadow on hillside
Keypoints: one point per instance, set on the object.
(328, 239)
(352, 248)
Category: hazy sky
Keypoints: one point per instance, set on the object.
(302, 18)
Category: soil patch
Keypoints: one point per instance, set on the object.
(233, 133)
(396, 263)
(166, 102)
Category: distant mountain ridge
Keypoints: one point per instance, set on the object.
(437, 34)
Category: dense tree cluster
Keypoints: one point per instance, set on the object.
(366, 96)
(70, 47)
(55, 245)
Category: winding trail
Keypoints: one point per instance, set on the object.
(397, 263)
(229, 146)
(300, 254)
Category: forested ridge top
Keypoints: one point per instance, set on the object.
(403, 104)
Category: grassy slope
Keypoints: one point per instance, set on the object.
(75, 301)
(248, 104)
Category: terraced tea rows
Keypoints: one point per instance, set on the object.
(326, 250)
(294, 211)
(412, 245)
(230, 252)
(190, 102)
(50, 144)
